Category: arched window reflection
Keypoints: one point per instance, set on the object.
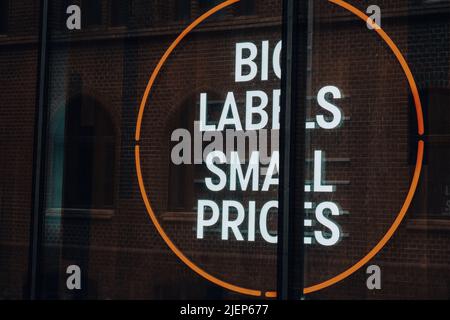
(89, 156)
(181, 177)
(4, 15)
(432, 198)
(187, 181)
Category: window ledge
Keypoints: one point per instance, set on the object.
(185, 216)
(71, 213)
(118, 28)
(429, 224)
(172, 28)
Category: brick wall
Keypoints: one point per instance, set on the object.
(18, 80)
(125, 257)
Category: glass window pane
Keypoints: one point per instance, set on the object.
(363, 139)
(217, 215)
(19, 45)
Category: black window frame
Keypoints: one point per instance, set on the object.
(245, 8)
(91, 13)
(182, 10)
(120, 12)
(4, 16)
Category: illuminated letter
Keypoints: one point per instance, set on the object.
(319, 174)
(263, 221)
(334, 110)
(252, 172)
(230, 105)
(271, 171)
(251, 220)
(326, 222)
(233, 225)
(265, 61)
(203, 114)
(201, 222)
(241, 61)
(250, 110)
(276, 109)
(216, 170)
(276, 60)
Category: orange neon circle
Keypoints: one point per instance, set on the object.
(379, 245)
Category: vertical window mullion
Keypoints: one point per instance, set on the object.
(39, 154)
(286, 228)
